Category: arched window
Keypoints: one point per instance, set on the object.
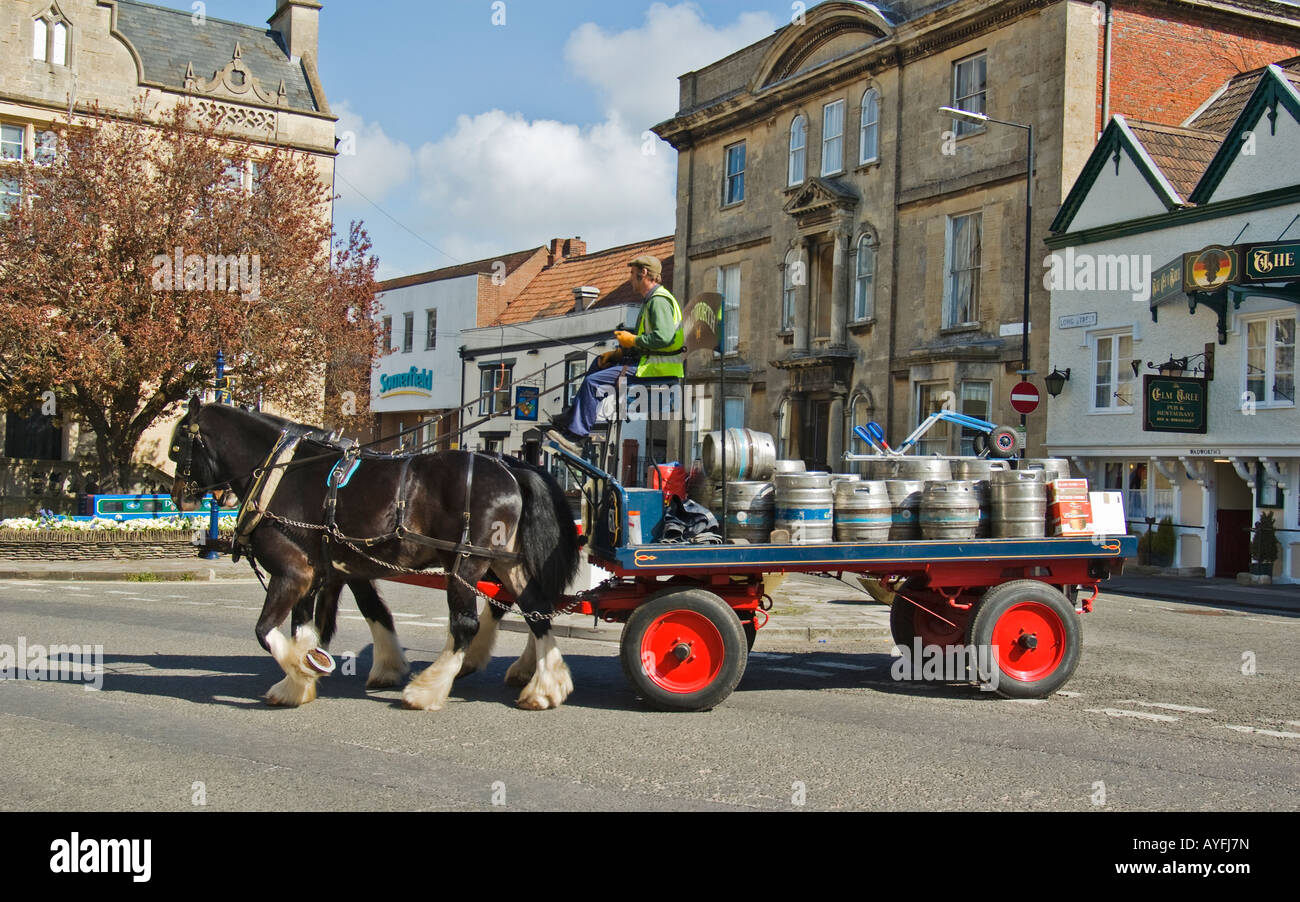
(40, 38)
(864, 285)
(783, 427)
(59, 44)
(798, 149)
(795, 276)
(860, 411)
(869, 142)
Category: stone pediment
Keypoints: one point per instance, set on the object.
(235, 82)
(820, 197)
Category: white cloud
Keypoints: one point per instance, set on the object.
(498, 182)
(636, 71)
(368, 158)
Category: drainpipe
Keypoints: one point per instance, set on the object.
(1105, 72)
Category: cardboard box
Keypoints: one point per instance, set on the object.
(1067, 490)
(1107, 514)
(1070, 518)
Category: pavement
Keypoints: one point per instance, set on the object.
(805, 608)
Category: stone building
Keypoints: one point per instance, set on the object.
(61, 57)
(870, 249)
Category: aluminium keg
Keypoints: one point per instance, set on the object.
(804, 506)
(750, 511)
(863, 512)
(1019, 504)
(879, 468)
(926, 469)
(905, 508)
(789, 466)
(950, 509)
(1054, 467)
(980, 471)
(751, 455)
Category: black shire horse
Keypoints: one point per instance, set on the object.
(519, 524)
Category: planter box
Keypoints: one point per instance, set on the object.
(1254, 579)
(88, 545)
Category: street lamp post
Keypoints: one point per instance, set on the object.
(1029, 220)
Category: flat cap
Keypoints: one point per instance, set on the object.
(651, 263)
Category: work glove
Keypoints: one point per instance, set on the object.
(607, 359)
(625, 339)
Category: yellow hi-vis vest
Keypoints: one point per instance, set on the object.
(667, 362)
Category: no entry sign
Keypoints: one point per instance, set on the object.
(1024, 397)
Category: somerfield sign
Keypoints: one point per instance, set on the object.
(412, 382)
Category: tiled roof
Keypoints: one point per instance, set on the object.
(479, 267)
(1220, 114)
(551, 292)
(1182, 154)
(168, 41)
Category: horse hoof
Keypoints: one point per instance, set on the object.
(290, 693)
(417, 699)
(386, 679)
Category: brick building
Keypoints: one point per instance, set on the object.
(870, 248)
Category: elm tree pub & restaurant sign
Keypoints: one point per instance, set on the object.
(1174, 404)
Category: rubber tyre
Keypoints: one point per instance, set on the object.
(718, 646)
(907, 621)
(1028, 606)
(1003, 443)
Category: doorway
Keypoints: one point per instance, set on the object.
(1232, 522)
(815, 444)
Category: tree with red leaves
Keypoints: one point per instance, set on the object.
(142, 247)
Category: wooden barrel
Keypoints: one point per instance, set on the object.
(804, 506)
(926, 469)
(751, 455)
(950, 509)
(980, 470)
(1019, 504)
(750, 511)
(863, 512)
(905, 507)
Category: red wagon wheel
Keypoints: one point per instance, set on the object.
(684, 650)
(1033, 631)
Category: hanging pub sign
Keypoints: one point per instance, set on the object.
(526, 402)
(1276, 261)
(1174, 404)
(1167, 281)
(1211, 268)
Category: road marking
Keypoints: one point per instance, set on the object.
(1143, 715)
(206, 604)
(1294, 723)
(1029, 701)
(1279, 733)
(116, 592)
(1068, 694)
(838, 666)
(404, 614)
(175, 596)
(424, 623)
(351, 617)
(775, 656)
(1186, 709)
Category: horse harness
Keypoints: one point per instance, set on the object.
(267, 477)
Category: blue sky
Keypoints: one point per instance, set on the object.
(484, 138)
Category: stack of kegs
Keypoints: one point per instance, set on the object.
(804, 505)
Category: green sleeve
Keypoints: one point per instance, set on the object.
(661, 328)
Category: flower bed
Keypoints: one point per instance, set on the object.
(46, 538)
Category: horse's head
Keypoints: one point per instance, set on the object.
(196, 467)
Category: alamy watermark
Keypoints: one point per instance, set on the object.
(53, 663)
(633, 402)
(213, 272)
(1099, 272)
(950, 663)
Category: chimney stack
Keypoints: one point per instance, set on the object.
(298, 22)
(584, 297)
(564, 248)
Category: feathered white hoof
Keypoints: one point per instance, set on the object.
(520, 673)
(422, 698)
(299, 684)
(429, 690)
(292, 691)
(547, 689)
(387, 677)
(390, 667)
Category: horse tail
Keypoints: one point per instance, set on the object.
(547, 537)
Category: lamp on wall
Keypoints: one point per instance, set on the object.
(1056, 380)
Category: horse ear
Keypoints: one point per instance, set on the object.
(195, 403)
